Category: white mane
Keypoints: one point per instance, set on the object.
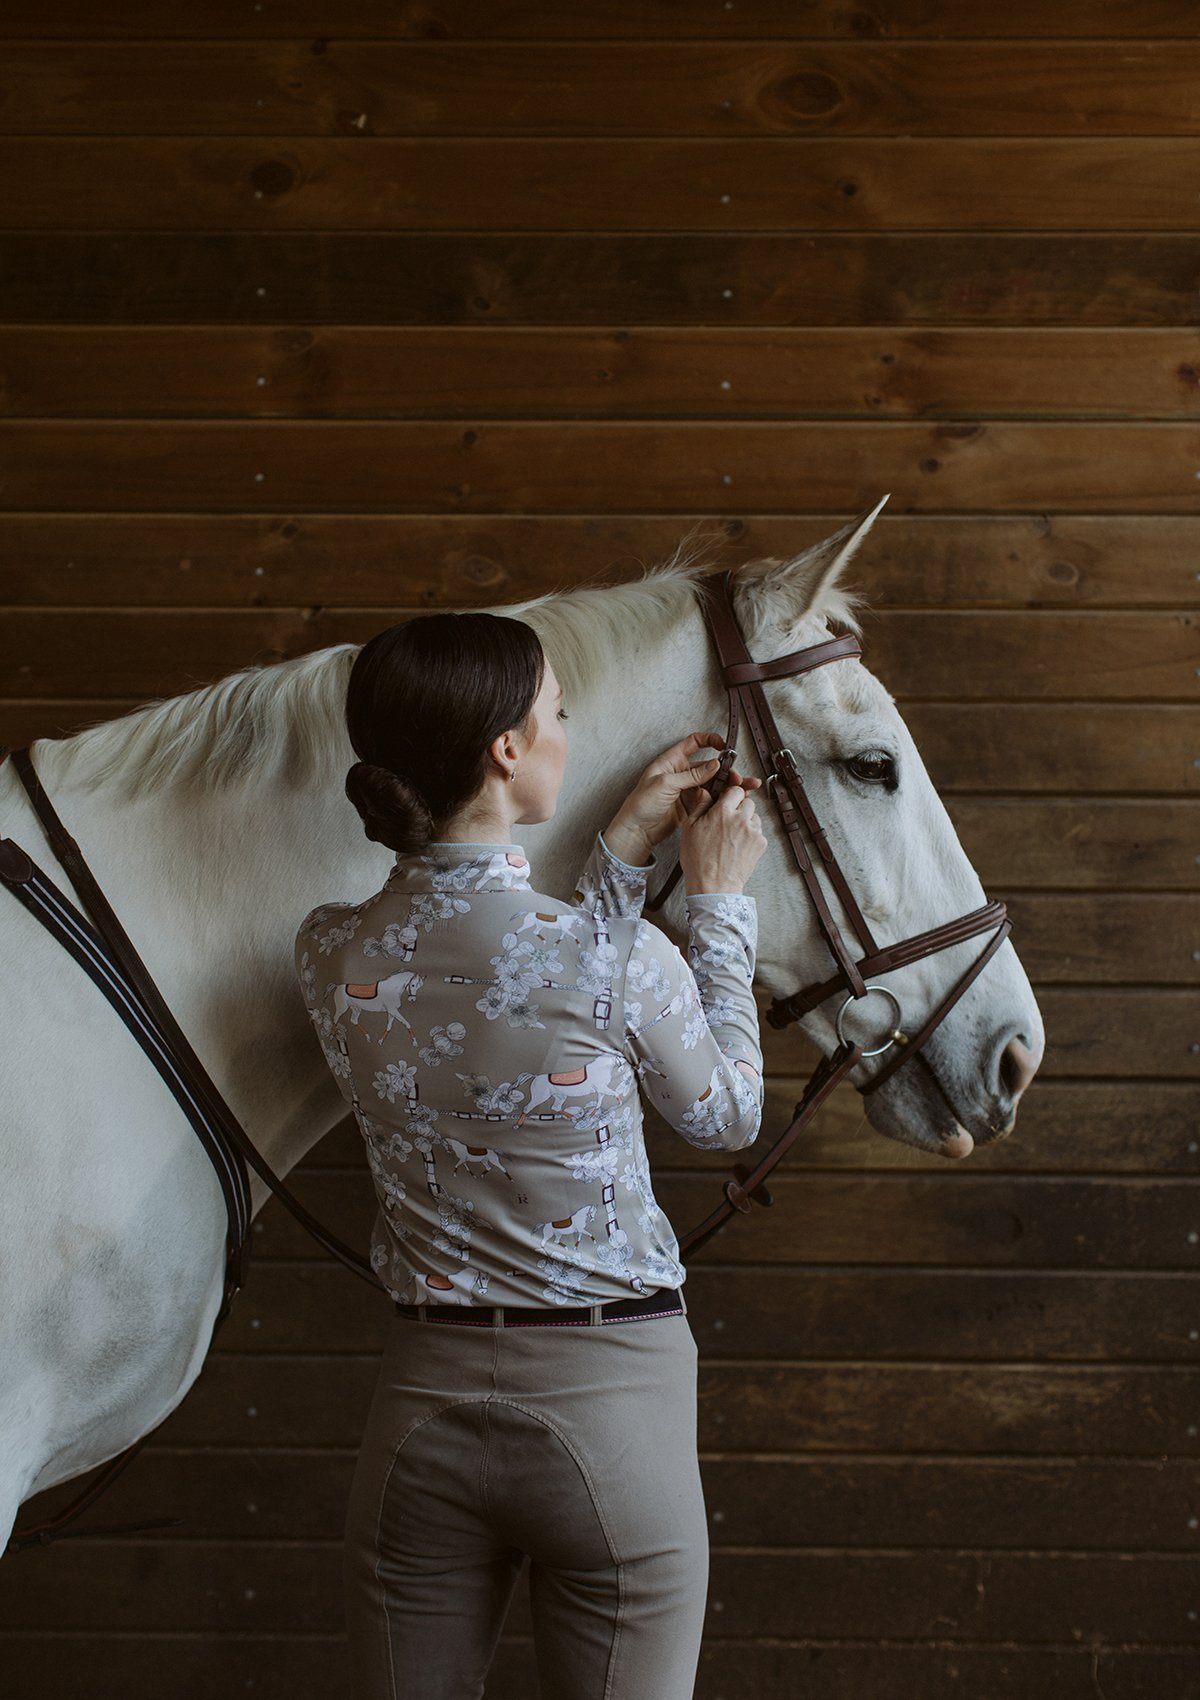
(274, 720)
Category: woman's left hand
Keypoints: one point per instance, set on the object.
(663, 797)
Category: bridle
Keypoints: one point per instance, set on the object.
(105, 951)
(742, 677)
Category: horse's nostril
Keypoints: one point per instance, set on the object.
(1018, 1065)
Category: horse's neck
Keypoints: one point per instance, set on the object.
(211, 888)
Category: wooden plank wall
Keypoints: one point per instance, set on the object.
(313, 315)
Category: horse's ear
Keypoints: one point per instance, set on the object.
(785, 590)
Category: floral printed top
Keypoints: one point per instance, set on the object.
(492, 1040)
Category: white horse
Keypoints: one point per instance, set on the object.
(216, 820)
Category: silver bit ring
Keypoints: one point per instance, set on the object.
(872, 986)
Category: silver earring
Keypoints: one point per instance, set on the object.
(513, 774)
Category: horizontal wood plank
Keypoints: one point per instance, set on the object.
(129, 1666)
(463, 561)
(668, 88)
(562, 278)
(1123, 936)
(1125, 747)
(1094, 1031)
(576, 183)
(1063, 1127)
(551, 467)
(1063, 844)
(523, 20)
(352, 372)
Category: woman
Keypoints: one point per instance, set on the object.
(491, 1040)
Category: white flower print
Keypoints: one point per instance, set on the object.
(595, 1165)
(646, 973)
(599, 967)
(395, 1077)
(421, 1118)
(396, 940)
(443, 1042)
(614, 1258)
(340, 935)
(563, 1278)
(428, 908)
(504, 1099)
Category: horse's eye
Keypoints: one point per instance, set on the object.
(876, 767)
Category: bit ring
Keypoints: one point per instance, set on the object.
(872, 986)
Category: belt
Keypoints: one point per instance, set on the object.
(667, 1302)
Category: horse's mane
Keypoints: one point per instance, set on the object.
(273, 720)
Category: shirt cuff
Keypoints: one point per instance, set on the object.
(634, 867)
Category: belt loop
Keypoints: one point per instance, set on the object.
(682, 1300)
(421, 1316)
(596, 1319)
(497, 1316)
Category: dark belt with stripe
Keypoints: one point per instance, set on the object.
(667, 1302)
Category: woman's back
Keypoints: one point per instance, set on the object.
(491, 1040)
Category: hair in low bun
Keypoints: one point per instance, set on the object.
(424, 702)
(393, 810)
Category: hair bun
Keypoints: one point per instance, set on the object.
(393, 811)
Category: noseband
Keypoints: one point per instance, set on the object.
(742, 677)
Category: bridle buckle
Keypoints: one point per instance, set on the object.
(783, 750)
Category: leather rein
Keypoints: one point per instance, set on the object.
(105, 951)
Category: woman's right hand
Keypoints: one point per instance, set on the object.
(720, 843)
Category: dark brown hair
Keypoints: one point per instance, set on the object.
(423, 702)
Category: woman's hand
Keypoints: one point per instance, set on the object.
(666, 795)
(721, 842)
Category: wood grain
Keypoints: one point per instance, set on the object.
(564, 88)
(310, 323)
(579, 183)
(349, 372)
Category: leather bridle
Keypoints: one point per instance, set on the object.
(742, 677)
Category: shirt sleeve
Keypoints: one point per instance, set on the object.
(691, 1025)
(608, 886)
